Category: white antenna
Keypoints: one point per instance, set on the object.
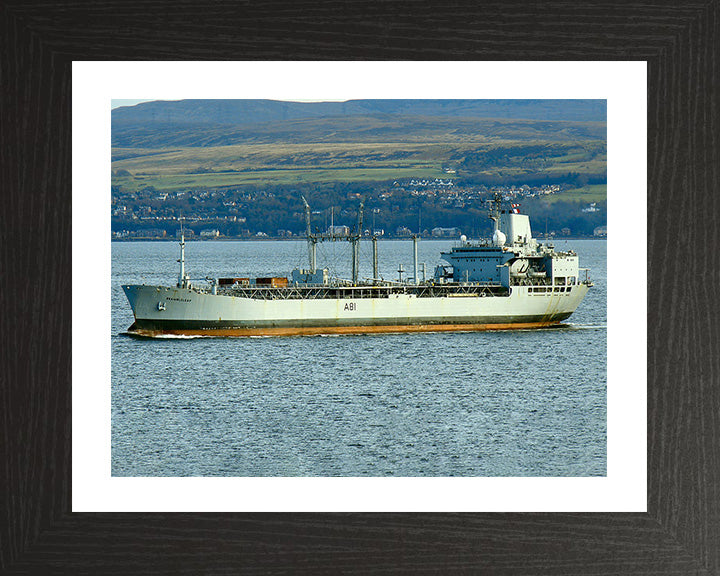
(375, 257)
(415, 258)
(182, 278)
(312, 241)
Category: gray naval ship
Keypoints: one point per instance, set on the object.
(510, 281)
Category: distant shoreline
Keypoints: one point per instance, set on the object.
(301, 239)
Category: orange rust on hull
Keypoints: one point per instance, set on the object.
(316, 330)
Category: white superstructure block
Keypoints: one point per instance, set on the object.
(516, 227)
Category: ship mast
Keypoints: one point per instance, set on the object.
(312, 240)
(355, 241)
(182, 279)
(415, 258)
(375, 257)
(353, 238)
(494, 214)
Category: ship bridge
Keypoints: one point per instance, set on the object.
(513, 257)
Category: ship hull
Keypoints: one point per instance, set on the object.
(162, 311)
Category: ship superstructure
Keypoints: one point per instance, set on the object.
(510, 281)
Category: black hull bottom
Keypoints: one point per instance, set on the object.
(152, 328)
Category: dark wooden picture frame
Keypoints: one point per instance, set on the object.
(680, 533)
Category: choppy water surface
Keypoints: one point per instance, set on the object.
(507, 403)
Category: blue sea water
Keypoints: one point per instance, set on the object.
(504, 403)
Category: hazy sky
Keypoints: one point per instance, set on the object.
(116, 103)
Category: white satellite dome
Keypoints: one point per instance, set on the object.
(463, 238)
(499, 238)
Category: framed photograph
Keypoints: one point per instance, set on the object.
(468, 453)
(652, 508)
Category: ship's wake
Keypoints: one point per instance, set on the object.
(571, 326)
(162, 336)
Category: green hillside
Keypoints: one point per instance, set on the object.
(357, 149)
(242, 165)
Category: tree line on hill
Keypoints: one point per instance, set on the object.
(274, 211)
